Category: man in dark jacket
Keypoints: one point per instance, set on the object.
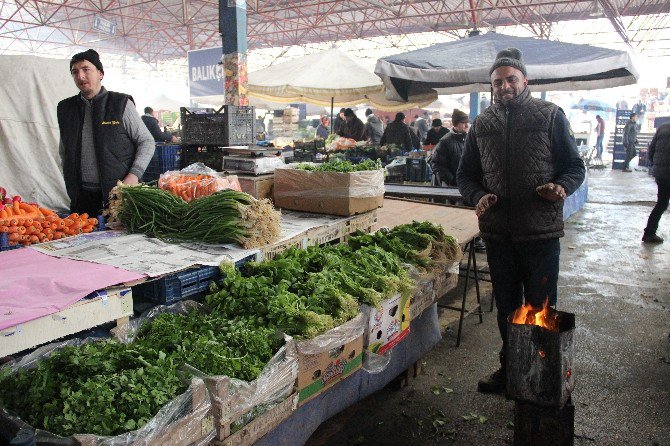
(102, 138)
(659, 157)
(435, 133)
(338, 122)
(630, 141)
(353, 126)
(519, 163)
(374, 129)
(152, 125)
(398, 133)
(449, 149)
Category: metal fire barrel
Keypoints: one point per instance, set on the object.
(539, 362)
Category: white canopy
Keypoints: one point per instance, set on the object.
(29, 136)
(332, 74)
(163, 102)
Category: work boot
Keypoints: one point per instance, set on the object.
(626, 170)
(651, 238)
(494, 383)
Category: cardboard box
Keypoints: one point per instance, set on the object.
(257, 186)
(388, 325)
(328, 192)
(261, 425)
(112, 304)
(429, 288)
(329, 358)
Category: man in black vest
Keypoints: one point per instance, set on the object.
(519, 163)
(102, 138)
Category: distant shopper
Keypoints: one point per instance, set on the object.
(398, 133)
(422, 126)
(322, 130)
(435, 133)
(659, 157)
(102, 138)
(338, 122)
(630, 141)
(353, 126)
(600, 132)
(152, 125)
(639, 109)
(449, 149)
(374, 129)
(484, 103)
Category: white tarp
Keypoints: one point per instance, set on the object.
(30, 166)
(316, 78)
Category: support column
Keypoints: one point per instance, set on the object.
(233, 29)
(474, 105)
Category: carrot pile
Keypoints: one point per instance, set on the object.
(28, 223)
(191, 186)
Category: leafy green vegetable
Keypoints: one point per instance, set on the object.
(342, 166)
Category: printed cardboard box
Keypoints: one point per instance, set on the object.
(388, 325)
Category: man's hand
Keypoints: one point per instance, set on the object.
(485, 202)
(552, 192)
(131, 178)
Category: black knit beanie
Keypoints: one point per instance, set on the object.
(458, 116)
(511, 57)
(90, 55)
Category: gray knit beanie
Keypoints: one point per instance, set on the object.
(510, 57)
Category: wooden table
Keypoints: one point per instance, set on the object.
(459, 222)
(436, 194)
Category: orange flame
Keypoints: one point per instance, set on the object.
(545, 317)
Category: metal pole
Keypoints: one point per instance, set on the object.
(332, 102)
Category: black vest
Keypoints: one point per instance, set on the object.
(515, 148)
(114, 149)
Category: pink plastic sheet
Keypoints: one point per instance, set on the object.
(33, 284)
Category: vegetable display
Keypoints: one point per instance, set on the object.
(192, 186)
(225, 216)
(341, 166)
(28, 223)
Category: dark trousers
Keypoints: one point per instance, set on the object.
(89, 202)
(599, 145)
(630, 154)
(522, 272)
(661, 205)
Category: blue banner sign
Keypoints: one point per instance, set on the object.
(205, 72)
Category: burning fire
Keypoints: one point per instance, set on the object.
(545, 317)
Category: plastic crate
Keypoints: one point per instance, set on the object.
(166, 157)
(233, 127)
(191, 283)
(211, 157)
(417, 170)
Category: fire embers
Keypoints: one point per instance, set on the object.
(544, 317)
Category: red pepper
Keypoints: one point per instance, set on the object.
(16, 198)
(7, 200)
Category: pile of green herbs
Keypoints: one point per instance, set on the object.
(304, 293)
(342, 166)
(226, 216)
(107, 388)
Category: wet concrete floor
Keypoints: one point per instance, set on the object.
(619, 290)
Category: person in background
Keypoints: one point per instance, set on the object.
(421, 126)
(600, 132)
(338, 122)
(353, 127)
(659, 158)
(449, 149)
(322, 130)
(397, 133)
(484, 103)
(518, 185)
(387, 121)
(374, 129)
(102, 138)
(630, 141)
(639, 109)
(435, 133)
(152, 125)
(622, 105)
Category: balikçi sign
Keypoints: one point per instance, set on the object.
(205, 72)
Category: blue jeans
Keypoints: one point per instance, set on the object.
(526, 271)
(599, 145)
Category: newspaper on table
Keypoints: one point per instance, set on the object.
(153, 257)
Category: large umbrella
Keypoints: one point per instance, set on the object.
(329, 78)
(593, 105)
(463, 66)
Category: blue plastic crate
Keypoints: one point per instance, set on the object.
(193, 282)
(166, 157)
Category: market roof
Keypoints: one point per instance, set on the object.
(157, 30)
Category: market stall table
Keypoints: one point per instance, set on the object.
(438, 194)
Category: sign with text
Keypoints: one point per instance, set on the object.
(205, 72)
